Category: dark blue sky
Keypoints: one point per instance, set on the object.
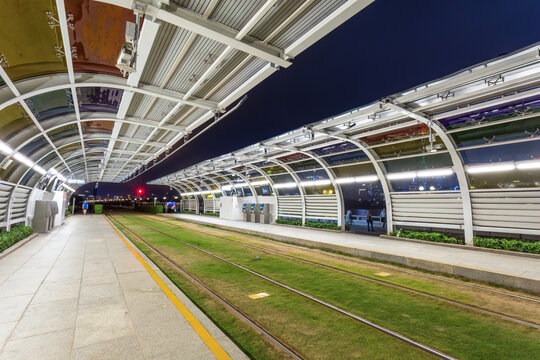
(390, 46)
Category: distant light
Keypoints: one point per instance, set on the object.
(432, 188)
(421, 188)
(315, 183)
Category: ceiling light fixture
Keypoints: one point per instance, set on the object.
(489, 168)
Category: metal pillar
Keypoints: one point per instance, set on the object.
(381, 174)
(457, 161)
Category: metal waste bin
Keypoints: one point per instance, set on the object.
(42, 216)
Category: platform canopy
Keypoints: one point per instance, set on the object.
(458, 153)
(67, 116)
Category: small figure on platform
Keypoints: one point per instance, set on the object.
(369, 220)
(383, 218)
(348, 220)
(84, 207)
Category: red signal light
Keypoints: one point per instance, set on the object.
(140, 191)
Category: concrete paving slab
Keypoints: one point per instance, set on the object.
(54, 345)
(80, 293)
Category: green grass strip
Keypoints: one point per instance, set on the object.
(315, 330)
(457, 331)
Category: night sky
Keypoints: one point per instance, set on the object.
(389, 47)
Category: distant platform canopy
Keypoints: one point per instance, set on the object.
(460, 153)
(67, 116)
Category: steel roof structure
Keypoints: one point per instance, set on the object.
(435, 130)
(67, 113)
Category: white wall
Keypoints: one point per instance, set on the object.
(60, 198)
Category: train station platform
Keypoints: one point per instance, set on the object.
(82, 292)
(520, 271)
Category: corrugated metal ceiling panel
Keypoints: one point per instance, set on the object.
(311, 17)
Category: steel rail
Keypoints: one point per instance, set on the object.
(389, 267)
(387, 331)
(382, 282)
(229, 306)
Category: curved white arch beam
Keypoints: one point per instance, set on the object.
(457, 161)
(380, 170)
(42, 84)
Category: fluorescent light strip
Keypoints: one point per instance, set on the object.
(401, 175)
(434, 172)
(75, 181)
(260, 183)
(528, 164)
(39, 169)
(5, 149)
(421, 173)
(23, 159)
(315, 183)
(286, 185)
(67, 187)
(489, 168)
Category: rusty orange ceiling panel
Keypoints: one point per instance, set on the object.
(97, 127)
(98, 33)
(29, 45)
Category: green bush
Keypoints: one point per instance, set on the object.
(16, 234)
(532, 247)
(68, 212)
(313, 224)
(188, 212)
(98, 209)
(428, 236)
(152, 209)
(322, 225)
(210, 213)
(289, 222)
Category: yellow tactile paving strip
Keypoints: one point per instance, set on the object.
(206, 337)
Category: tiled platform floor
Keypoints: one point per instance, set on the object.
(80, 293)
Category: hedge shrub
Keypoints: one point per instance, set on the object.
(322, 225)
(532, 247)
(289, 222)
(428, 236)
(189, 212)
(313, 224)
(152, 209)
(16, 234)
(210, 213)
(98, 209)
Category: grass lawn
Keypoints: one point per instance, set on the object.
(516, 307)
(319, 332)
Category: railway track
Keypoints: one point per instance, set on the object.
(360, 319)
(383, 266)
(378, 281)
(280, 344)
